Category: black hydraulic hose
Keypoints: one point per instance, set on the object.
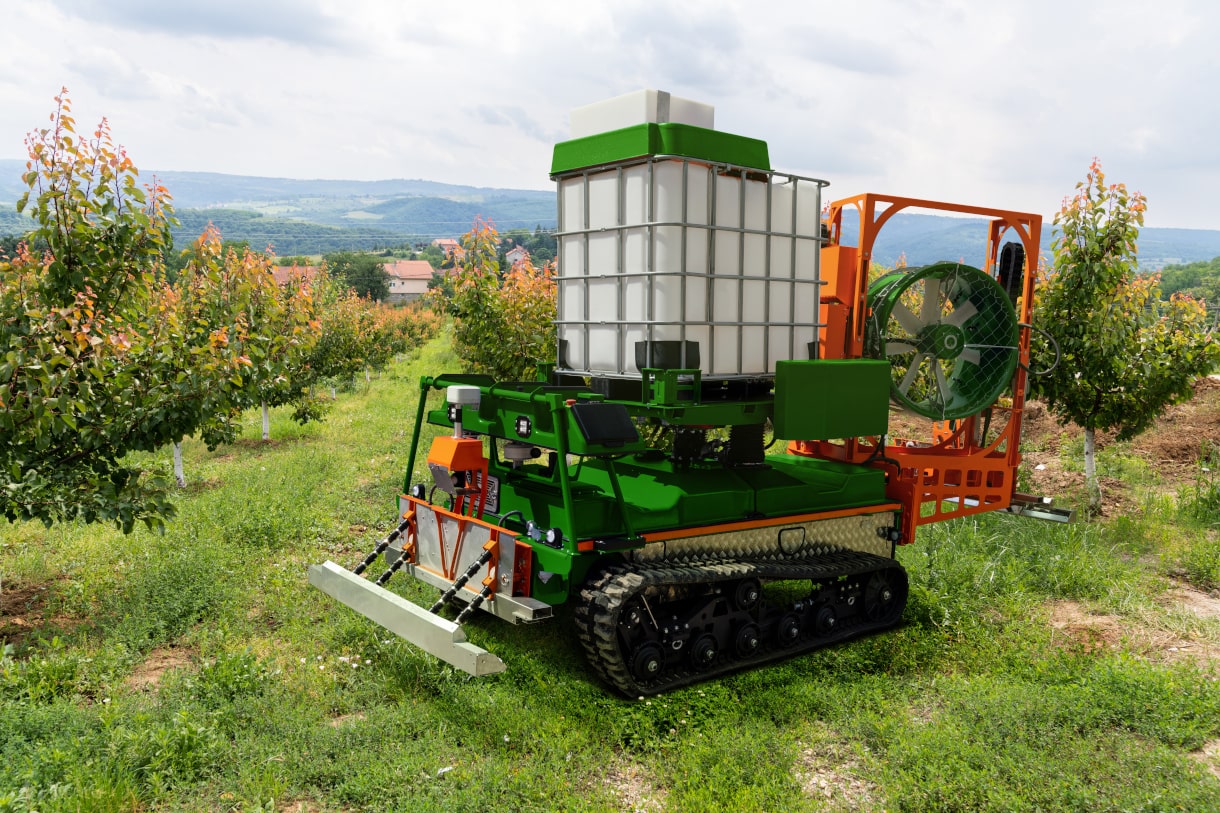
(1055, 344)
(473, 605)
(878, 455)
(381, 546)
(518, 514)
(461, 582)
(394, 568)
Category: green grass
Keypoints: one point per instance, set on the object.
(1116, 460)
(278, 697)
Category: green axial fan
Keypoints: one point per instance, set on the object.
(950, 334)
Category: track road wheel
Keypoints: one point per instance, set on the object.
(748, 640)
(788, 629)
(647, 662)
(704, 651)
(885, 595)
(747, 594)
(825, 620)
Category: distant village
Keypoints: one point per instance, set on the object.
(409, 279)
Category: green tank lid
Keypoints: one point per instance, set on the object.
(642, 140)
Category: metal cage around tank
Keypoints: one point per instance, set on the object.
(673, 262)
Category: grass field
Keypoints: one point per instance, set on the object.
(1038, 666)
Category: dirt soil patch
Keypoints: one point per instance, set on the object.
(1209, 755)
(299, 806)
(24, 614)
(1076, 628)
(347, 719)
(1201, 604)
(634, 787)
(147, 675)
(828, 773)
(1174, 445)
(1172, 448)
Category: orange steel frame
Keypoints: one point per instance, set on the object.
(952, 474)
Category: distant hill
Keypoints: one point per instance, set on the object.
(286, 237)
(319, 216)
(11, 187)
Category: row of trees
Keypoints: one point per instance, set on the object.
(365, 274)
(101, 354)
(289, 236)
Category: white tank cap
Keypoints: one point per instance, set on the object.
(462, 395)
(640, 107)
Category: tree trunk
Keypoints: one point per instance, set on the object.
(1092, 486)
(266, 422)
(179, 473)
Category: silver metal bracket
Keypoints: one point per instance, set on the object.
(1025, 505)
(431, 633)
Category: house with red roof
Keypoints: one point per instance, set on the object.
(408, 279)
(516, 255)
(283, 274)
(448, 245)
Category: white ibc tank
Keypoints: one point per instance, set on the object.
(667, 261)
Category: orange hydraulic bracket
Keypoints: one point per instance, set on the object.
(462, 456)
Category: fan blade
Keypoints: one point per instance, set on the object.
(961, 313)
(970, 354)
(894, 348)
(929, 309)
(941, 384)
(912, 371)
(910, 323)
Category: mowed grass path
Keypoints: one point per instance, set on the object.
(1039, 667)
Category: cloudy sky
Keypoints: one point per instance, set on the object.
(995, 104)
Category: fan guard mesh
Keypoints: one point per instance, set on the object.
(950, 334)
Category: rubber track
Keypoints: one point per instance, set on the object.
(603, 598)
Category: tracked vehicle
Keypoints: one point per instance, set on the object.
(711, 472)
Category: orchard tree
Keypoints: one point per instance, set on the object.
(1124, 354)
(504, 325)
(363, 273)
(273, 327)
(97, 356)
(347, 338)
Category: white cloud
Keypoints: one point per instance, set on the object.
(296, 21)
(985, 103)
